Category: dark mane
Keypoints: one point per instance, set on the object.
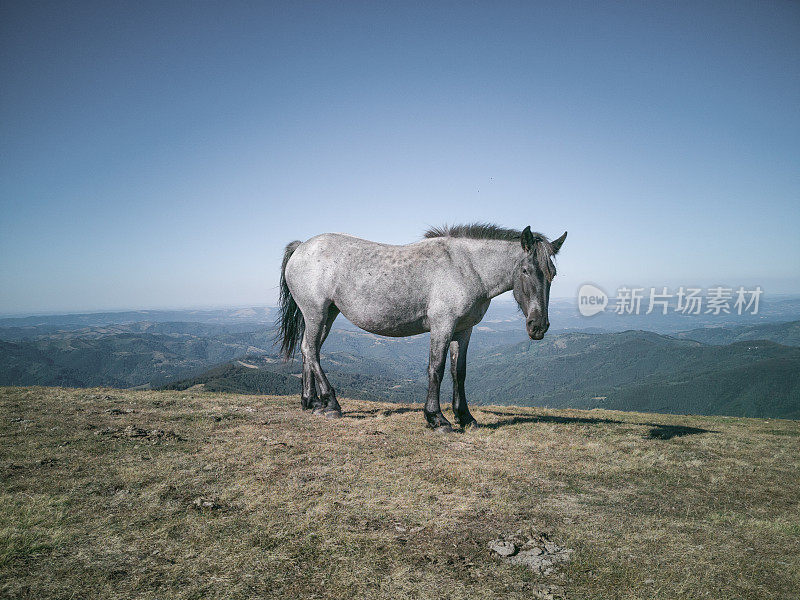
(475, 231)
(490, 231)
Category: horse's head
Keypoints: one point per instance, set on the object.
(532, 279)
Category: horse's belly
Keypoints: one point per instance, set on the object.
(381, 323)
(404, 330)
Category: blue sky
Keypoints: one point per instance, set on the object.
(162, 154)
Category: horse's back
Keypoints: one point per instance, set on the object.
(338, 253)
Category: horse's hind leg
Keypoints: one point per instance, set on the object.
(458, 368)
(308, 398)
(318, 326)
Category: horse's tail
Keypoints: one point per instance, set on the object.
(290, 320)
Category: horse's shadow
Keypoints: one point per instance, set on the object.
(379, 412)
(667, 432)
(657, 431)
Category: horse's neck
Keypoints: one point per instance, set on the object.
(495, 262)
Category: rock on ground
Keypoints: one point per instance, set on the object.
(537, 551)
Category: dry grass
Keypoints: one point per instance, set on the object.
(376, 506)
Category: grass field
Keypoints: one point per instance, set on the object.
(139, 494)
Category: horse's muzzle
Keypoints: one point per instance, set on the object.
(535, 331)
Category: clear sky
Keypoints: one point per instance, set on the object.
(161, 154)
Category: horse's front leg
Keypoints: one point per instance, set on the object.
(458, 368)
(440, 341)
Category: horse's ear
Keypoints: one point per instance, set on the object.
(527, 239)
(556, 244)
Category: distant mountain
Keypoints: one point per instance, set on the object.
(117, 359)
(709, 370)
(153, 354)
(239, 378)
(503, 316)
(565, 316)
(767, 388)
(29, 327)
(24, 364)
(266, 375)
(787, 334)
(634, 370)
(643, 371)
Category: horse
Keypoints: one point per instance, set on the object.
(442, 284)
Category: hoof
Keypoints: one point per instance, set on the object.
(470, 425)
(443, 429)
(319, 411)
(332, 414)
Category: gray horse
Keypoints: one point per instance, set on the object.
(442, 284)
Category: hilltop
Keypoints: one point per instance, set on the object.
(180, 494)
